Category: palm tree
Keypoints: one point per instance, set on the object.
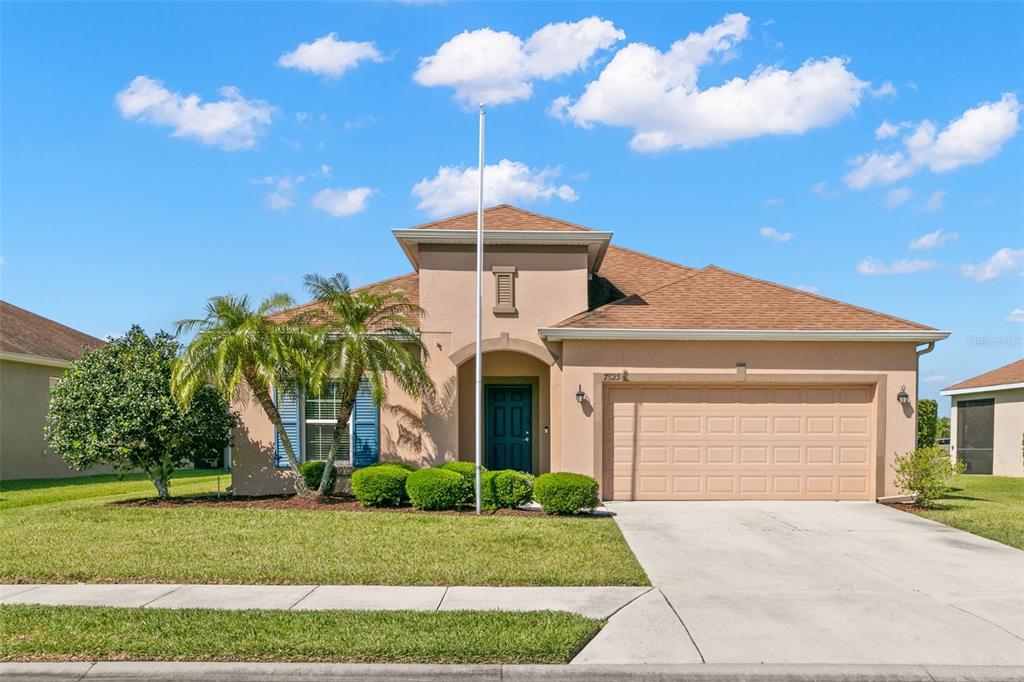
(242, 353)
(361, 335)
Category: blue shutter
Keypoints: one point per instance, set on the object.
(288, 406)
(366, 428)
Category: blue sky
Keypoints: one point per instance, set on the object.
(124, 201)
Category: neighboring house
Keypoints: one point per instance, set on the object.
(986, 424)
(660, 380)
(34, 353)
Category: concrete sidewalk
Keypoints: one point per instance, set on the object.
(304, 672)
(593, 602)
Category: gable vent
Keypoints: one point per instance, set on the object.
(504, 288)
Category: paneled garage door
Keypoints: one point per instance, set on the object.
(683, 442)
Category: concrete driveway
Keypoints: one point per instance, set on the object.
(819, 582)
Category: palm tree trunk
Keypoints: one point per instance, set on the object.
(267, 403)
(343, 417)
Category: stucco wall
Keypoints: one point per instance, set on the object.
(585, 363)
(1007, 457)
(24, 401)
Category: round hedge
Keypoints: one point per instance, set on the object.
(400, 465)
(312, 472)
(381, 485)
(565, 492)
(512, 488)
(435, 488)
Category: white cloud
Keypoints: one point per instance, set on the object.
(1002, 262)
(887, 130)
(329, 57)
(935, 201)
(658, 94)
(774, 235)
(976, 136)
(1016, 315)
(932, 240)
(343, 202)
(897, 197)
(454, 188)
(277, 201)
(886, 89)
(822, 190)
(496, 67)
(233, 122)
(905, 266)
(809, 288)
(773, 201)
(934, 378)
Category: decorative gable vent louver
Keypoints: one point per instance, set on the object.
(504, 288)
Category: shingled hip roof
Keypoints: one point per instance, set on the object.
(1007, 376)
(25, 335)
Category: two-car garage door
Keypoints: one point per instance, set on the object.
(683, 442)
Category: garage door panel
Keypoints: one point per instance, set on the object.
(755, 442)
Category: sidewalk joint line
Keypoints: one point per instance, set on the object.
(685, 629)
(165, 594)
(441, 600)
(297, 601)
(971, 613)
(92, 664)
(631, 600)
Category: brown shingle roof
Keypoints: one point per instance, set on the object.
(503, 218)
(29, 334)
(713, 298)
(408, 284)
(624, 272)
(1012, 373)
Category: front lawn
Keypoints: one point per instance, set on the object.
(67, 531)
(33, 633)
(990, 506)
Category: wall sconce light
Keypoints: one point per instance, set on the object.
(580, 395)
(902, 397)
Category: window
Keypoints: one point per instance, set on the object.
(320, 415)
(504, 288)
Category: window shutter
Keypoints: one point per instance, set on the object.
(504, 288)
(366, 428)
(288, 407)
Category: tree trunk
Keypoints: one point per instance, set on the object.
(267, 403)
(343, 417)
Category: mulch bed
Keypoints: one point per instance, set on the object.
(908, 506)
(326, 503)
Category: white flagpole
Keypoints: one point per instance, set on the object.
(479, 313)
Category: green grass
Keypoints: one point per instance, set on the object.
(990, 506)
(68, 532)
(93, 633)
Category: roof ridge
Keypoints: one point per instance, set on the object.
(819, 297)
(618, 301)
(427, 225)
(652, 257)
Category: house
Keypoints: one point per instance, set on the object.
(660, 380)
(986, 424)
(34, 352)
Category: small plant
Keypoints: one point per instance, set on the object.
(435, 488)
(927, 472)
(468, 472)
(565, 492)
(313, 472)
(512, 488)
(380, 485)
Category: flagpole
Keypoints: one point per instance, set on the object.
(479, 312)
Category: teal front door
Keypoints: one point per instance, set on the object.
(508, 415)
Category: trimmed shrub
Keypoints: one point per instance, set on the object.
(400, 465)
(381, 485)
(488, 499)
(312, 472)
(927, 472)
(435, 488)
(512, 488)
(565, 492)
(468, 472)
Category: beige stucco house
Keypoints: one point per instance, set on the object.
(662, 381)
(986, 423)
(34, 352)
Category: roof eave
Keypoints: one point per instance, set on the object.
(983, 389)
(30, 359)
(889, 335)
(595, 241)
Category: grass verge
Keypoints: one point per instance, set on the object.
(68, 532)
(52, 633)
(989, 506)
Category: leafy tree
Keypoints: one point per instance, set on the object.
(243, 353)
(361, 335)
(942, 428)
(114, 406)
(927, 422)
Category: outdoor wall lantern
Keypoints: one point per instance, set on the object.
(902, 398)
(580, 395)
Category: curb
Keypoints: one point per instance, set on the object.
(303, 672)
